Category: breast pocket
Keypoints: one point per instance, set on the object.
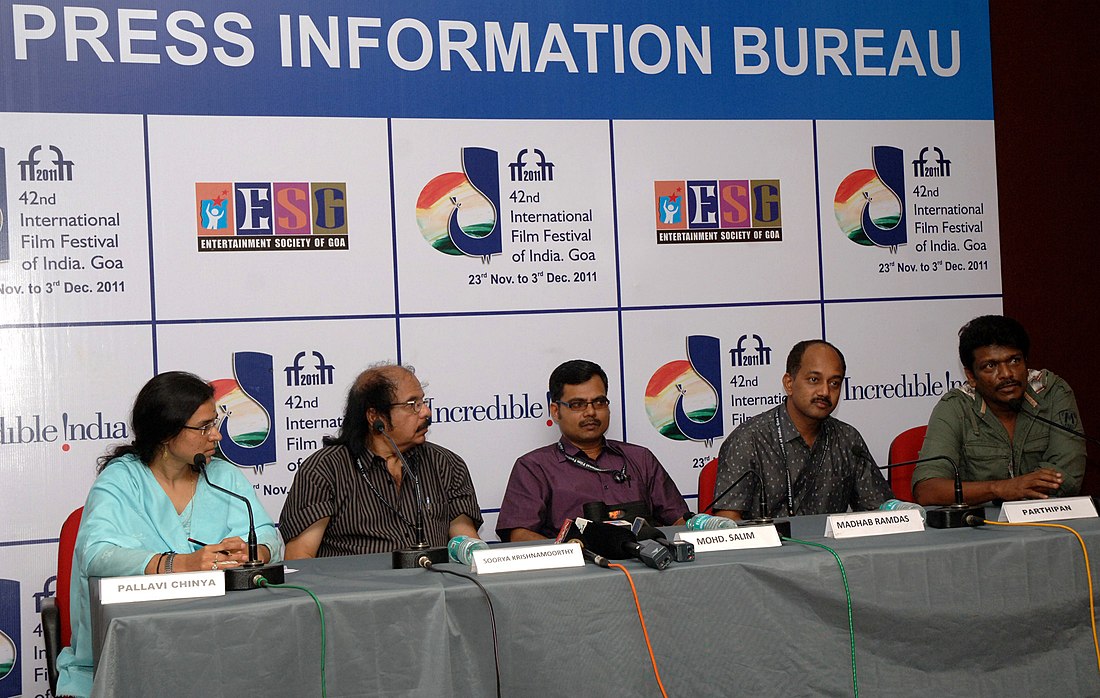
(986, 460)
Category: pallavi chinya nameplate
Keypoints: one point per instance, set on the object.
(157, 587)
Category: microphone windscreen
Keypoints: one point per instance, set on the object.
(595, 511)
(198, 462)
(608, 540)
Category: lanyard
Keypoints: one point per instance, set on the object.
(618, 476)
(786, 464)
(378, 495)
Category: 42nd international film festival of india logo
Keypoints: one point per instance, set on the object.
(458, 213)
(683, 398)
(247, 404)
(870, 204)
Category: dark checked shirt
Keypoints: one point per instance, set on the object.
(329, 483)
(837, 473)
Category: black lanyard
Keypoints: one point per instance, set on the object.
(618, 476)
(363, 472)
(786, 463)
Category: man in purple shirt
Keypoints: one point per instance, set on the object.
(553, 483)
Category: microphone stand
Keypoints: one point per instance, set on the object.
(244, 576)
(1063, 427)
(408, 558)
(957, 515)
(782, 526)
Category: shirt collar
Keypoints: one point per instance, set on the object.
(575, 451)
(790, 431)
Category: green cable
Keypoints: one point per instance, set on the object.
(848, 596)
(320, 611)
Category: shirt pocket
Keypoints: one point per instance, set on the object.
(985, 460)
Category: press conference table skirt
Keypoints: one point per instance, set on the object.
(992, 611)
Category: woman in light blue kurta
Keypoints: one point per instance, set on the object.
(148, 501)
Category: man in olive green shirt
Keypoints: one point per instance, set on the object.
(986, 426)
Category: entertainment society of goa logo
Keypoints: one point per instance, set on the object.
(459, 212)
(870, 204)
(247, 403)
(682, 398)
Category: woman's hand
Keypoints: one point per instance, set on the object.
(217, 556)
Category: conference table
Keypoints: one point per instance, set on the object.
(989, 611)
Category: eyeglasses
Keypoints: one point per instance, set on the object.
(413, 405)
(578, 405)
(203, 429)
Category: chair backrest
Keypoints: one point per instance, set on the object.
(65, 547)
(707, 477)
(906, 446)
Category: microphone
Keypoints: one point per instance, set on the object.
(244, 576)
(620, 543)
(956, 515)
(408, 558)
(1063, 427)
(782, 526)
(681, 551)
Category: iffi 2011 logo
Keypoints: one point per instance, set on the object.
(718, 210)
(247, 402)
(683, 398)
(11, 675)
(870, 204)
(233, 216)
(459, 212)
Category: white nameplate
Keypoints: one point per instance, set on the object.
(527, 557)
(155, 587)
(1048, 509)
(764, 536)
(873, 523)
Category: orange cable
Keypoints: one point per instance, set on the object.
(638, 605)
(1088, 572)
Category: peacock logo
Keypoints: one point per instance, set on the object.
(459, 212)
(682, 398)
(870, 204)
(247, 404)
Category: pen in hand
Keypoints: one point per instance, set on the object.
(199, 542)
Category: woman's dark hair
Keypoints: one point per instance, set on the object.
(161, 409)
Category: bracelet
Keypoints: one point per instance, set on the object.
(168, 563)
(160, 558)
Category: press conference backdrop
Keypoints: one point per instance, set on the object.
(274, 197)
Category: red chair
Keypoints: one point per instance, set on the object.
(707, 477)
(56, 630)
(906, 446)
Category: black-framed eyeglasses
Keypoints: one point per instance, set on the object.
(203, 429)
(579, 405)
(413, 405)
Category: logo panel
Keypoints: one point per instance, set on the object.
(717, 210)
(264, 216)
(458, 213)
(870, 204)
(247, 402)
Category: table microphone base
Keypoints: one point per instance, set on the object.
(244, 577)
(782, 526)
(409, 558)
(956, 516)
